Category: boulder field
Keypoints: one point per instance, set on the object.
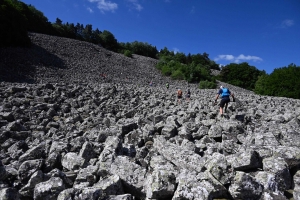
(72, 135)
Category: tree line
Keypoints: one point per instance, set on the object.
(282, 82)
(192, 68)
(18, 18)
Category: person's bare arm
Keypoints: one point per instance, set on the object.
(232, 95)
(217, 98)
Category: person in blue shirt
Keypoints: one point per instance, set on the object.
(225, 94)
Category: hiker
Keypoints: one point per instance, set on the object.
(225, 93)
(179, 95)
(167, 85)
(188, 95)
(150, 84)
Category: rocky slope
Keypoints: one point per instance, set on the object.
(73, 135)
(55, 59)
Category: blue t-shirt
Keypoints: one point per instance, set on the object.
(224, 92)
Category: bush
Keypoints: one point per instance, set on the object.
(207, 85)
(177, 75)
(167, 71)
(128, 53)
(160, 65)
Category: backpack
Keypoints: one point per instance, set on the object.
(179, 93)
(225, 92)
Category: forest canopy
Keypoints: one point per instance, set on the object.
(242, 75)
(282, 82)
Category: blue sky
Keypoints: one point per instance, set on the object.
(264, 33)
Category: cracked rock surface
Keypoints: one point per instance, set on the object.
(64, 139)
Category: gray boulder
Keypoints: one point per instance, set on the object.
(49, 189)
(245, 186)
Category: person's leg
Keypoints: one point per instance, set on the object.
(222, 103)
(226, 104)
(221, 111)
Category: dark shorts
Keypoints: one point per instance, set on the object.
(224, 101)
(179, 97)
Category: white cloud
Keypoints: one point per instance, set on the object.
(90, 10)
(104, 5)
(136, 4)
(250, 58)
(224, 57)
(239, 58)
(287, 23)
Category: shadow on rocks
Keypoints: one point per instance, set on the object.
(19, 64)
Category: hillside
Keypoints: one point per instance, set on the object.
(68, 133)
(56, 59)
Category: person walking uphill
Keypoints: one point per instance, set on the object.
(179, 95)
(188, 95)
(225, 94)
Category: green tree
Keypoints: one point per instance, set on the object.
(261, 85)
(96, 36)
(178, 75)
(88, 33)
(128, 53)
(166, 70)
(13, 24)
(165, 52)
(214, 65)
(37, 22)
(207, 84)
(283, 82)
(70, 30)
(173, 65)
(180, 57)
(140, 48)
(200, 59)
(242, 75)
(79, 31)
(109, 41)
(58, 22)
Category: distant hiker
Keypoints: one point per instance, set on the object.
(114, 89)
(103, 75)
(167, 85)
(150, 83)
(188, 95)
(225, 93)
(179, 95)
